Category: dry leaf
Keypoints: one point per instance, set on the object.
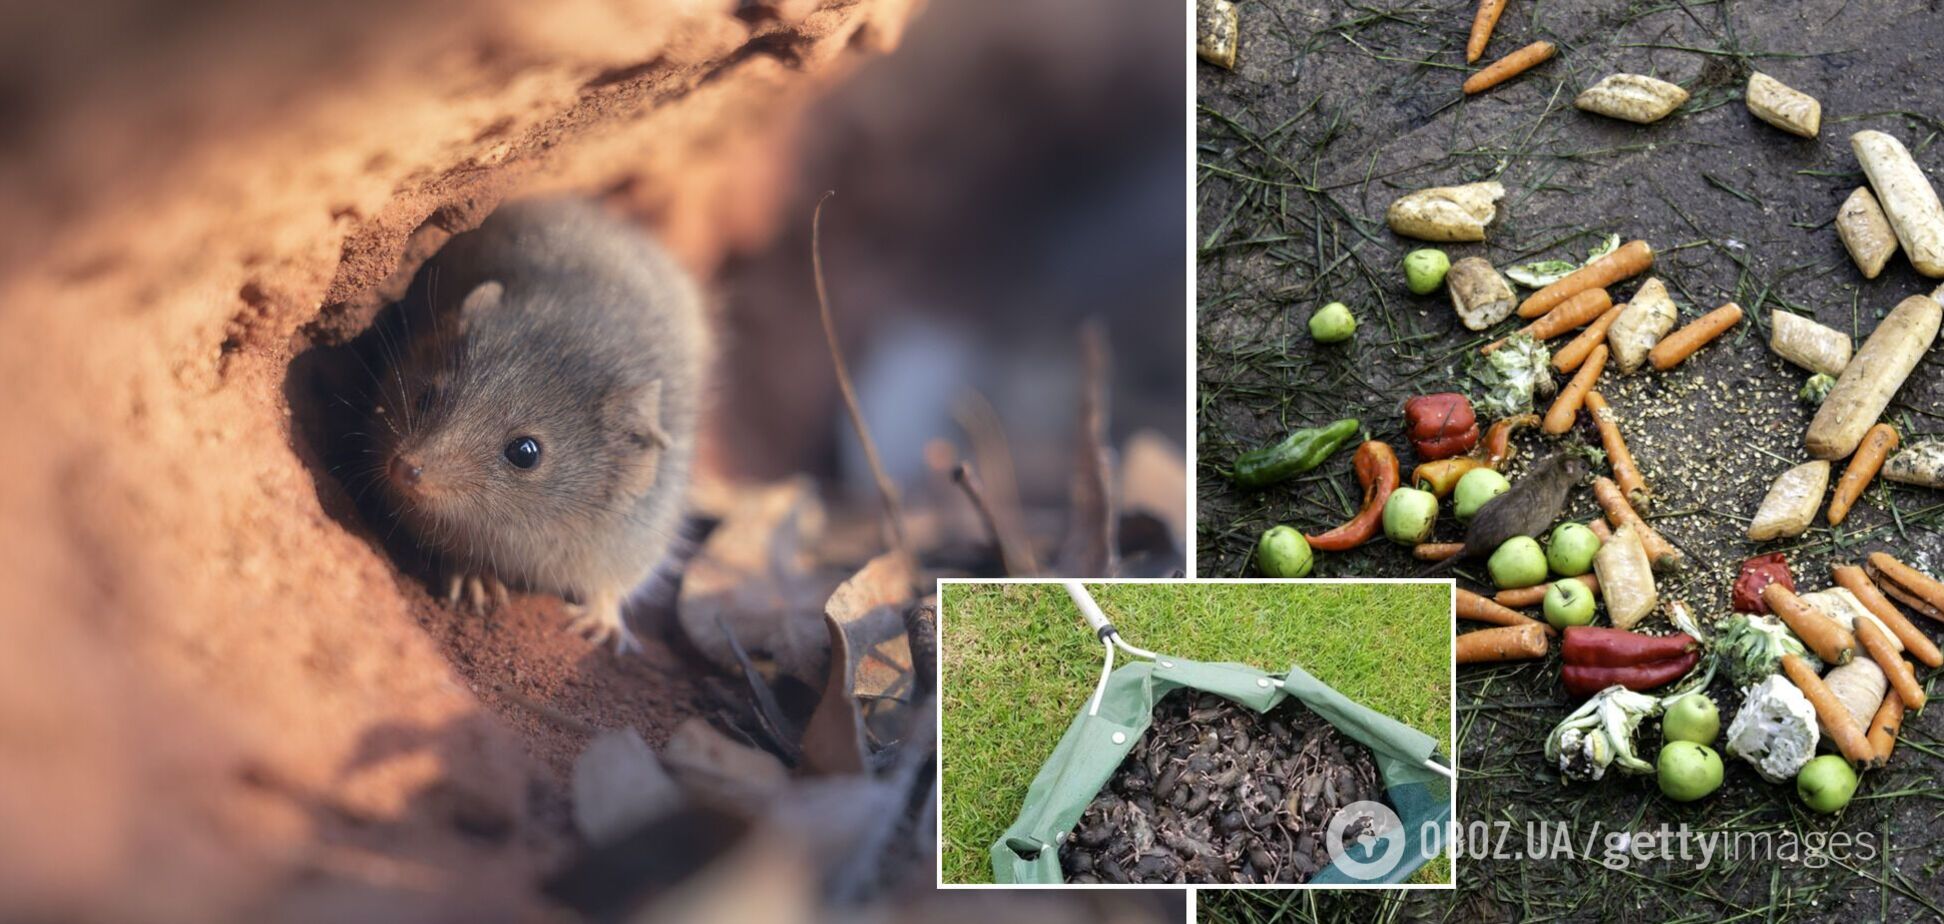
(754, 575)
(716, 770)
(870, 661)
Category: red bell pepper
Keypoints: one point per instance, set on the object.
(1757, 573)
(1440, 426)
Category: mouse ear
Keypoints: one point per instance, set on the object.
(635, 415)
(483, 296)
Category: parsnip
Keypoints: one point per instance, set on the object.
(1791, 502)
(1626, 578)
(1920, 463)
(1808, 344)
(1479, 294)
(1840, 604)
(1446, 213)
(1859, 686)
(1907, 198)
(1645, 321)
(1215, 32)
(1866, 233)
(1778, 104)
(1873, 376)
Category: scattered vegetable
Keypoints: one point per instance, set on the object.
(1542, 273)
(1648, 318)
(1885, 725)
(1808, 344)
(1629, 260)
(1663, 554)
(1921, 463)
(1425, 269)
(1568, 602)
(1283, 553)
(1410, 515)
(1446, 213)
(1216, 32)
(1511, 375)
(1497, 445)
(1873, 377)
(1475, 608)
(1831, 642)
(1436, 551)
(1626, 579)
(1912, 587)
(1442, 477)
(1676, 347)
(1578, 311)
(1508, 67)
(1597, 658)
(1295, 454)
(1831, 712)
(1688, 771)
(1919, 646)
(1907, 198)
(1859, 686)
(1791, 502)
(1332, 323)
(1483, 22)
(1479, 294)
(1877, 443)
(1599, 734)
(1571, 549)
(1816, 390)
(1751, 648)
(1866, 232)
(1576, 350)
(1474, 489)
(1376, 467)
(1565, 408)
(1778, 104)
(1774, 730)
(1757, 573)
(1518, 562)
(1692, 718)
(1619, 458)
(1505, 643)
(1902, 679)
(1440, 425)
(1844, 609)
(1633, 97)
(1520, 597)
(1826, 784)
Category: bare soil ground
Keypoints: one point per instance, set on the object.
(1335, 110)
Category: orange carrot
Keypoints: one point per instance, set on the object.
(1902, 679)
(1565, 408)
(1629, 260)
(1620, 513)
(1836, 719)
(1436, 551)
(1476, 608)
(1505, 643)
(1569, 357)
(1916, 643)
(1863, 466)
(1885, 726)
(1535, 595)
(1579, 310)
(1600, 528)
(1508, 67)
(1914, 588)
(1619, 457)
(1824, 636)
(1681, 344)
(1483, 22)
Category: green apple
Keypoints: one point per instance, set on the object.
(1826, 783)
(1517, 563)
(1570, 550)
(1424, 270)
(1688, 771)
(1283, 553)
(1409, 515)
(1332, 323)
(1568, 603)
(1474, 489)
(1692, 718)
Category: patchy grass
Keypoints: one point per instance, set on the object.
(1017, 664)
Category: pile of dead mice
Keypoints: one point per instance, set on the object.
(1829, 665)
(1216, 793)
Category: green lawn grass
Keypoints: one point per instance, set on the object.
(1017, 664)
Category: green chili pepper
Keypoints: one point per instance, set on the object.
(1297, 453)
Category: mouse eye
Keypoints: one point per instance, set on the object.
(523, 452)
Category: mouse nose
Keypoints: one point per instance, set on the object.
(406, 472)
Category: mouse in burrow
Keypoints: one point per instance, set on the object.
(538, 427)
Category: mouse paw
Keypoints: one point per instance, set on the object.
(599, 621)
(482, 594)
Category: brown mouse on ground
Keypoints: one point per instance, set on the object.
(1527, 509)
(540, 432)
